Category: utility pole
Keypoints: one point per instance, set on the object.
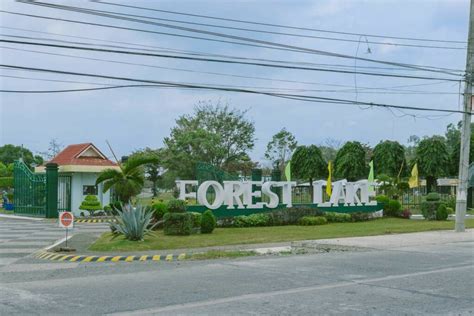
(461, 196)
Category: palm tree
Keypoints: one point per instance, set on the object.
(129, 180)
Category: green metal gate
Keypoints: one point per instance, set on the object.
(30, 191)
(64, 193)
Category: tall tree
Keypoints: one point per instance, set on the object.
(329, 148)
(350, 162)
(453, 144)
(54, 148)
(152, 170)
(214, 133)
(129, 180)
(389, 159)
(279, 149)
(307, 163)
(410, 149)
(9, 153)
(432, 158)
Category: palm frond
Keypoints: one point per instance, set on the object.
(108, 174)
(135, 162)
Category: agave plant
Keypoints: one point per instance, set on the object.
(132, 221)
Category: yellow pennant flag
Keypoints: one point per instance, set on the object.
(413, 181)
(329, 182)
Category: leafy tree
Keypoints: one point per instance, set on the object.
(350, 162)
(389, 159)
(9, 153)
(152, 170)
(6, 170)
(410, 149)
(329, 148)
(215, 134)
(308, 163)
(129, 180)
(242, 166)
(432, 158)
(453, 144)
(279, 149)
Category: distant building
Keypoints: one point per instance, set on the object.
(79, 167)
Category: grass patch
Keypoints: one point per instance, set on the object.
(253, 235)
(218, 254)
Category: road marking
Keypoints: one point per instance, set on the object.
(261, 295)
(130, 258)
(156, 258)
(116, 258)
(169, 258)
(143, 258)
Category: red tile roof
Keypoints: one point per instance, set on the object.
(71, 156)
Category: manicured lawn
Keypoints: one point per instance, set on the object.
(233, 236)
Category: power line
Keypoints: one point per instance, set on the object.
(280, 25)
(246, 77)
(307, 98)
(226, 61)
(281, 33)
(234, 37)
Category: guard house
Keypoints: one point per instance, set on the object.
(79, 166)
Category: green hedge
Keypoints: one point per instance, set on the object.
(6, 182)
(312, 220)
(333, 217)
(159, 210)
(178, 224)
(208, 222)
(176, 206)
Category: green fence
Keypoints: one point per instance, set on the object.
(30, 191)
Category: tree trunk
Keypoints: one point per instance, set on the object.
(430, 184)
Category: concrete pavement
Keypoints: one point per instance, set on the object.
(412, 278)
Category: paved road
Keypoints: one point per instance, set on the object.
(436, 279)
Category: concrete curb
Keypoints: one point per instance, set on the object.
(46, 255)
(21, 217)
(98, 220)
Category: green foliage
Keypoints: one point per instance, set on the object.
(433, 196)
(382, 199)
(176, 206)
(151, 170)
(389, 159)
(91, 203)
(132, 222)
(361, 216)
(307, 163)
(6, 182)
(453, 143)
(393, 209)
(197, 219)
(208, 222)
(9, 153)
(159, 210)
(129, 180)
(333, 217)
(279, 149)
(433, 159)
(6, 170)
(214, 134)
(442, 212)
(350, 162)
(180, 224)
(312, 220)
(291, 216)
(253, 220)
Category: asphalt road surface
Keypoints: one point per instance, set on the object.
(427, 279)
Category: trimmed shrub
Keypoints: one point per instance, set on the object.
(361, 216)
(441, 212)
(253, 220)
(208, 222)
(433, 196)
(178, 224)
(291, 216)
(197, 219)
(176, 206)
(393, 209)
(333, 217)
(312, 220)
(159, 210)
(91, 204)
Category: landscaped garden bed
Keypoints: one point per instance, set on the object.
(156, 240)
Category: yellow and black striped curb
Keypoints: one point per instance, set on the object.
(82, 258)
(98, 220)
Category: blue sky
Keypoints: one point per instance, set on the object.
(135, 118)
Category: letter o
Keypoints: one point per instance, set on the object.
(202, 194)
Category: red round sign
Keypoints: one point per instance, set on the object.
(66, 219)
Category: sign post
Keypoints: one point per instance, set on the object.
(66, 220)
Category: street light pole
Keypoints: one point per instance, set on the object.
(461, 196)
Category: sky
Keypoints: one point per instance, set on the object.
(135, 118)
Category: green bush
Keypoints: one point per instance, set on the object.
(253, 220)
(159, 210)
(178, 224)
(197, 219)
(208, 222)
(393, 209)
(291, 216)
(91, 204)
(361, 216)
(132, 222)
(312, 220)
(433, 196)
(176, 206)
(441, 212)
(6, 182)
(382, 199)
(333, 217)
